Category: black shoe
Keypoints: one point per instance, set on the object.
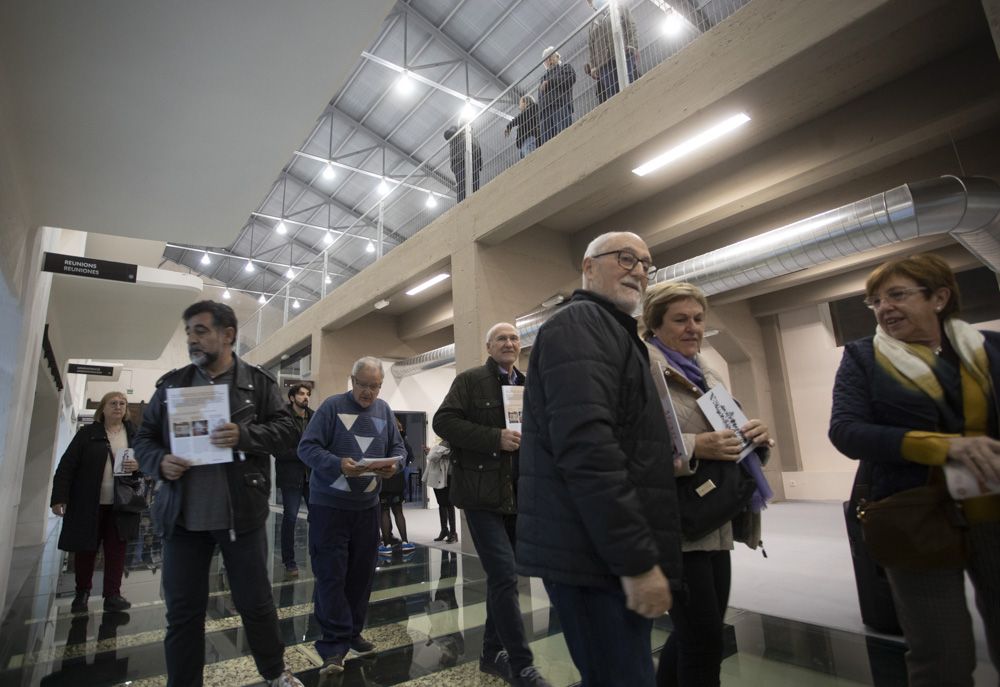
(530, 677)
(498, 665)
(442, 536)
(116, 603)
(452, 538)
(332, 665)
(361, 646)
(79, 604)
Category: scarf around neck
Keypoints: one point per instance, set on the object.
(686, 366)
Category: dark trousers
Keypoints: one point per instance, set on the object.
(460, 183)
(692, 656)
(608, 643)
(343, 546)
(553, 121)
(187, 559)
(291, 499)
(114, 556)
(493, 537)
(446, 511)
(607, 77)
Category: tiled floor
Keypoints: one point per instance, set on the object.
(426, 617)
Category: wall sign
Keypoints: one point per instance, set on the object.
(88, 267)
(99, 370)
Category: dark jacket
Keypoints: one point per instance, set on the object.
(596, 494)
(289, 471)
(77, 483)
(470, 419)
(265, 428)
(456, 153)
(872, 412)
(526, 123)
(558, 91)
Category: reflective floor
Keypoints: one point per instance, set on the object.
(426, 617)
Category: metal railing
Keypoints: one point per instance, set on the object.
(582, 72)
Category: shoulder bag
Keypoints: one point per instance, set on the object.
(717, 492)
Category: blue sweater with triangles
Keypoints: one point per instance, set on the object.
(342, 428)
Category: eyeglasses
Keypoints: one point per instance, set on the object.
(629, 261)
(894, 297)
(374, 388)
(118, 404)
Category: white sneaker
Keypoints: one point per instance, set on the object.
(286, 679)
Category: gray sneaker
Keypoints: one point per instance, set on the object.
(498, 665)
(530, 677)
(286, 679)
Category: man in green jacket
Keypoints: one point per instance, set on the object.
(483, 480)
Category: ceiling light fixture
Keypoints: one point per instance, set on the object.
(281, 228)
(673, 24)
(262, 300)
(290, 273)
(205, 260)
(384, 303)
(404, 84)
(431, 201)
(328, 280)
(329, 172)
(296, 304)
(328, 238)
(437, 278)
(383, 188)
(370, 248)
(468, 111)
(692, 144)
(250, 269)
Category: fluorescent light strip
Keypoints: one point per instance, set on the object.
(692, 144)
(427, 284)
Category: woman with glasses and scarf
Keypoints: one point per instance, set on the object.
(919, 395)
(83, 494)
(673, 315)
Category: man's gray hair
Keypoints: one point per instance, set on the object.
(494, 328)
(598, 245)
(549, 51)
(368, 361)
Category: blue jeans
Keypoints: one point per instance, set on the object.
(607, 77)
(291, 499)
(187, 557)
(554, 121)
(528, 146)
(343, 546)
(493, 537)
(609, 643)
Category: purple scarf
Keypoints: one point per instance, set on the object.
(752, 462)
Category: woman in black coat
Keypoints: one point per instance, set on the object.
(83, 494)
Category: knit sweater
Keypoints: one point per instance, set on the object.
(342, 428)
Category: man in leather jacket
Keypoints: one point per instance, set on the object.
(197, 508)
(483, 479)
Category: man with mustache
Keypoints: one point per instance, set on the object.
(292, 476)
(199, 508)
(483, 483)
(597, 513)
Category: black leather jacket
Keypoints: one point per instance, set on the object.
(470, 419)
(265, 428)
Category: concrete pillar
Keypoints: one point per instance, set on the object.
(33, 509)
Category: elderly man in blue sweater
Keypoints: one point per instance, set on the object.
(351, 444)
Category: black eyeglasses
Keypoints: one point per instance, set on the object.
(628, 260)
(895, 297)
(371, 387)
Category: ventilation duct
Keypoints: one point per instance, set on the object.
(967, 209)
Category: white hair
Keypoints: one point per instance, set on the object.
(598, 245)
(368, 361)
(494, 328)
(549, 51)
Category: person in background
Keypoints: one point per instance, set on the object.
(526, 123)
(603, 68)
(391, 502)
(292, 477)
(673, 315)
(437, 477)
(83, 492)
(597, 516)
(919, 395)
(456, 158)
(484, 455)
(344, 508)
(198, 508)
(555, 96)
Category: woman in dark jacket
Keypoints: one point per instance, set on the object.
(526, 123)
(921, 395)
(83, 493)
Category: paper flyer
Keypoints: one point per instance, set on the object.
(674, 427)
(722, 412)
(121, 455)
(962, 484)
(375, 463)
(513, 406)
(193, 413)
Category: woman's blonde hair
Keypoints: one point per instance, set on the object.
(658, 298)
(99, 413)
